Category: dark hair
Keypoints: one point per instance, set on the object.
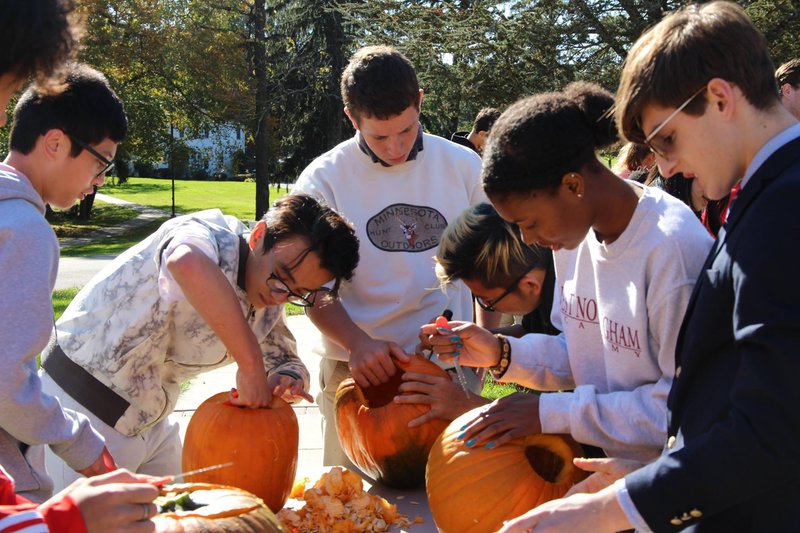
(680, 54)
(789, 73)
(485, 119)
(480, 245)
(327, 232)
(379, 82)
(539, 139)
(36, 37)
(83, 106)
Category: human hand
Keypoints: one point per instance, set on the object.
(371, 361)
(505, 419)
(598, 513)
(105, 463)
(445, 397)
(116, 501)
(252, 389)
(473, 345)
(606, 471)
(288, 388)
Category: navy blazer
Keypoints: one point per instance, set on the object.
(732, 461)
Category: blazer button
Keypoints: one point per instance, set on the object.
(678, 372)
(696, 513)
(676, 521)
(670, 443)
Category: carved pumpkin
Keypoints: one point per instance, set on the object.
(261, 443)
(207, 508)
(476, 489)
(374, 432)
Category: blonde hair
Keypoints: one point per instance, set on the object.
(479, 245)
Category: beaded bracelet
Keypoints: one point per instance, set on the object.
(499, 370)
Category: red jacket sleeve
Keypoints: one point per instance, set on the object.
(19, 515)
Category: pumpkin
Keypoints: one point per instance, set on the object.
(477, 489)
(207, 508)
(374, 432)
(262, 444)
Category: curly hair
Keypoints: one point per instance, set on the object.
(37, 37)
(327, 232)
(539, 139)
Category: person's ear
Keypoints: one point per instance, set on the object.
(419, 103)
(54, 143)
(531, 283)
(721, 95)
(573, 183)
(257, 234)
(786, 89)
(352, 118)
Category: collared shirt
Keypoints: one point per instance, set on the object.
(412, 155)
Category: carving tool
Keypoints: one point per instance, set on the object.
(443, 322)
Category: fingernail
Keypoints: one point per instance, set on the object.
(462, 429)
(470, 443)
(455, 338)
(461, 435)
(456, 354)
(459, 345)
(445, 330)
(489, 446)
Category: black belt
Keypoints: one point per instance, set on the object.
(84, 388)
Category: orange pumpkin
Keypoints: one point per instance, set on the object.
(476, 489)
(206, 508)
(261, 443)
(374, 432)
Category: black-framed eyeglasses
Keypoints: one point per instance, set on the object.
(316, 298)
(489, 304)
(664, 147)
(109, 163)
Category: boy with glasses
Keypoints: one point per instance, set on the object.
(45, 166)
(200, 293)
(730, 458)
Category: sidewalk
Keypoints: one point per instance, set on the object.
(145, 216)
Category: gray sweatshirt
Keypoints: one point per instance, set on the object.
(29, 263)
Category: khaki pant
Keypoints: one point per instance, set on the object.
(155, 451)
(331, 374)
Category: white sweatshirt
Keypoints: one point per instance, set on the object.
(620, 307)
(399, 213)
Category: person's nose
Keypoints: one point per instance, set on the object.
(395, 147)
(528, 236)
(667, 166)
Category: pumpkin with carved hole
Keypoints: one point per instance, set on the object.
(207, 508)
(474, 490)
(262, 444)
(373, 430)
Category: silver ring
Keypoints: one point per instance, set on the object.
(146, 509)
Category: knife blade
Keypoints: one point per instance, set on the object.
(187, 473)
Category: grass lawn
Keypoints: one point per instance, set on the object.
(103, 215)
(232, 197)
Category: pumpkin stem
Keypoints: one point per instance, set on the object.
(545, 462)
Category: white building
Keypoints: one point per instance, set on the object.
(212, 151)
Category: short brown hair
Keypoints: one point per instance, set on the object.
(683, 52)
(789, 73)
(379, 82)
(485, 119)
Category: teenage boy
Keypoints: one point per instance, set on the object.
(699, 89)
(198, 294)
(399, 187)
(788, 78)
(61, 145)
(476, 138)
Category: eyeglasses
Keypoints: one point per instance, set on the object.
(665, 146)
(319, 297)
(109, 163)
(489, 304)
